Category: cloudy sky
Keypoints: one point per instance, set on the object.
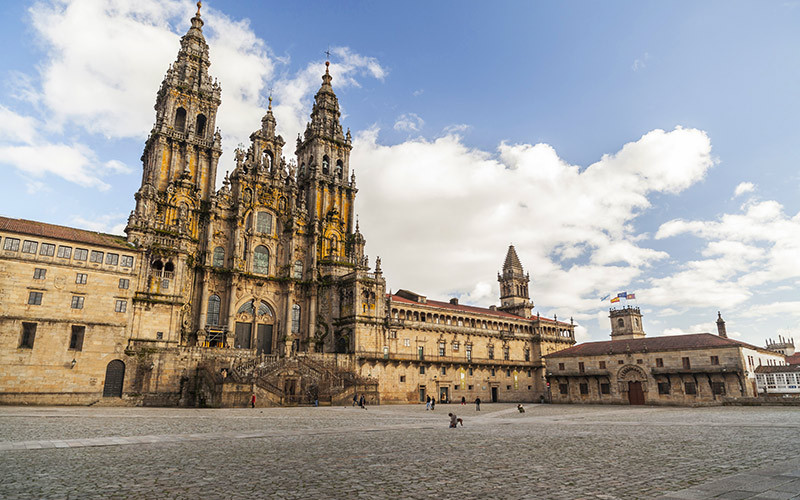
(628, 146)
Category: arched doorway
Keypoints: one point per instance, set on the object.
(115, 376)
(255, 317)
(633, 380)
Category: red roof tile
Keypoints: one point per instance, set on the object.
(471, 309)
(41, 229)
(794, 359)
(777, 369)
(666, 343)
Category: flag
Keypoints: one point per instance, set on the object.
(615, 299)
(605, 298)
(622, 294)
(631, 296)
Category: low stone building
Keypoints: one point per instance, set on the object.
(631, 368)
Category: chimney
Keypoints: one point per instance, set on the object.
(454, 301)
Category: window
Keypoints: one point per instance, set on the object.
(602, 365)
(402, 378)
(581, 367)
(29, 246)
(750, 361)
(124, 283)
(470, 371)
(563, 389)
(714, 360)
(77, 302)
(81, 254)
(64, 252)
(508, 372)
(508, 387)
(455, 346)
(112, 259)
(492, 372)
(407, 342)
(264, 223)
(686, 364)
(218, 258)
(200, 127)
(422, 370)
(96, 256)
(530, 372)
(690, 389)
(261, 260)
(35, 298)
(441, 348)
(212, 316)
(76, 338)
(561, 366)
(718, 388)
(584, 387)
(470, 387)
(80, 278)
(659, 362)
(11, 244)
(159, 335)
(527, 355)
(28, 335)
(444, 371)
(421, 352)
(121, 306)
(127, 261)
(47, 249)
(39, 274)
(180, 119)
(663, 388)
(469, 352)
(619, 362)
(505, 353)
(491, 352)
(605, 388)
(295, 318)
(297, 272)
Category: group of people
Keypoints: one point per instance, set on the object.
(430, 404)
(360, 401)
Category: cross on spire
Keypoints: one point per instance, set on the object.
(328, 54)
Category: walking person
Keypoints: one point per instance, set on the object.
(253, 400)
(433, 403)
(362, 402)
(463, 400)
(355, 399)
(477, 404)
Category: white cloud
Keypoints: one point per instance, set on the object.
(409, 122)
(640, 63)
(106, 223)
(16, 128)
(744, 187)
(464, 206)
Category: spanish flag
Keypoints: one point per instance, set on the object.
(615, 299)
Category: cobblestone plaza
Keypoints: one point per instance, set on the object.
(550, 451)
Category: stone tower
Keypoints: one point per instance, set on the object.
(626, 323)
(327, 185)
(721, 326)
(514, 297)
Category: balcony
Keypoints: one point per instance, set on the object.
(427, 358)
(578, 373)
(680, 370)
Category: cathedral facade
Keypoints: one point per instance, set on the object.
(260, 287)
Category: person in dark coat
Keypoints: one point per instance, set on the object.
(362, 402)
(463, 400)
(433, 403)
(477, 404)
(355, 399)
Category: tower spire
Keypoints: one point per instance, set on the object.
(514, 295)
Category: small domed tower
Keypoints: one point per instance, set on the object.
(626, 323)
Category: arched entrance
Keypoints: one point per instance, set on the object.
(115, 376)
(633, 381)
(255, 317)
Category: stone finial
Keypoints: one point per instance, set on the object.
(199, 5)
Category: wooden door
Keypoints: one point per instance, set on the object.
(115, 376)
(242, 340)
(635, 393)
(264, 339)
(494, 394)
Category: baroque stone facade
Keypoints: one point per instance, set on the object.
(261, 287)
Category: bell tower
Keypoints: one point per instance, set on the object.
(514, 297)
(325, 180)
(626, 323)
(181, 154)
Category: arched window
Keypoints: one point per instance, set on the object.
(620, 323)
(325, 164)
(180, 120)
(339, 168)
(200, 126)
(212, 317)
(268, 158)
(218, 259)
(264, 223)
(247, 308)
(297, 273)
(157, 264)
(261, 260)
(295, 318)
(264, 309)
(169, 267)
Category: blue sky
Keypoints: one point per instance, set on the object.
(625, 146)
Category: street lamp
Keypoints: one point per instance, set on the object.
(73, 363)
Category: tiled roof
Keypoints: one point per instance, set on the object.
(41, 229)
(472, 309)
(666, 343)
(794, 359)
(778, 369)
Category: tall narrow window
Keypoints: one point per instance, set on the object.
(200, 127)
(212, 317)
(121, 306)
(77, 302)
(218, 260)
(325, 164)
(76, 338)
(180, 120)
(35, 298)
(28, 336)
(295, 318)
(298, 270)
(264, 223)
(339, 168)
(261, 260)
(39, 274)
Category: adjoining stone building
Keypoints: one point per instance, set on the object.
(261, 286)
(699, 368)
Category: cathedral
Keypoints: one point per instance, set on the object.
(259, 288)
